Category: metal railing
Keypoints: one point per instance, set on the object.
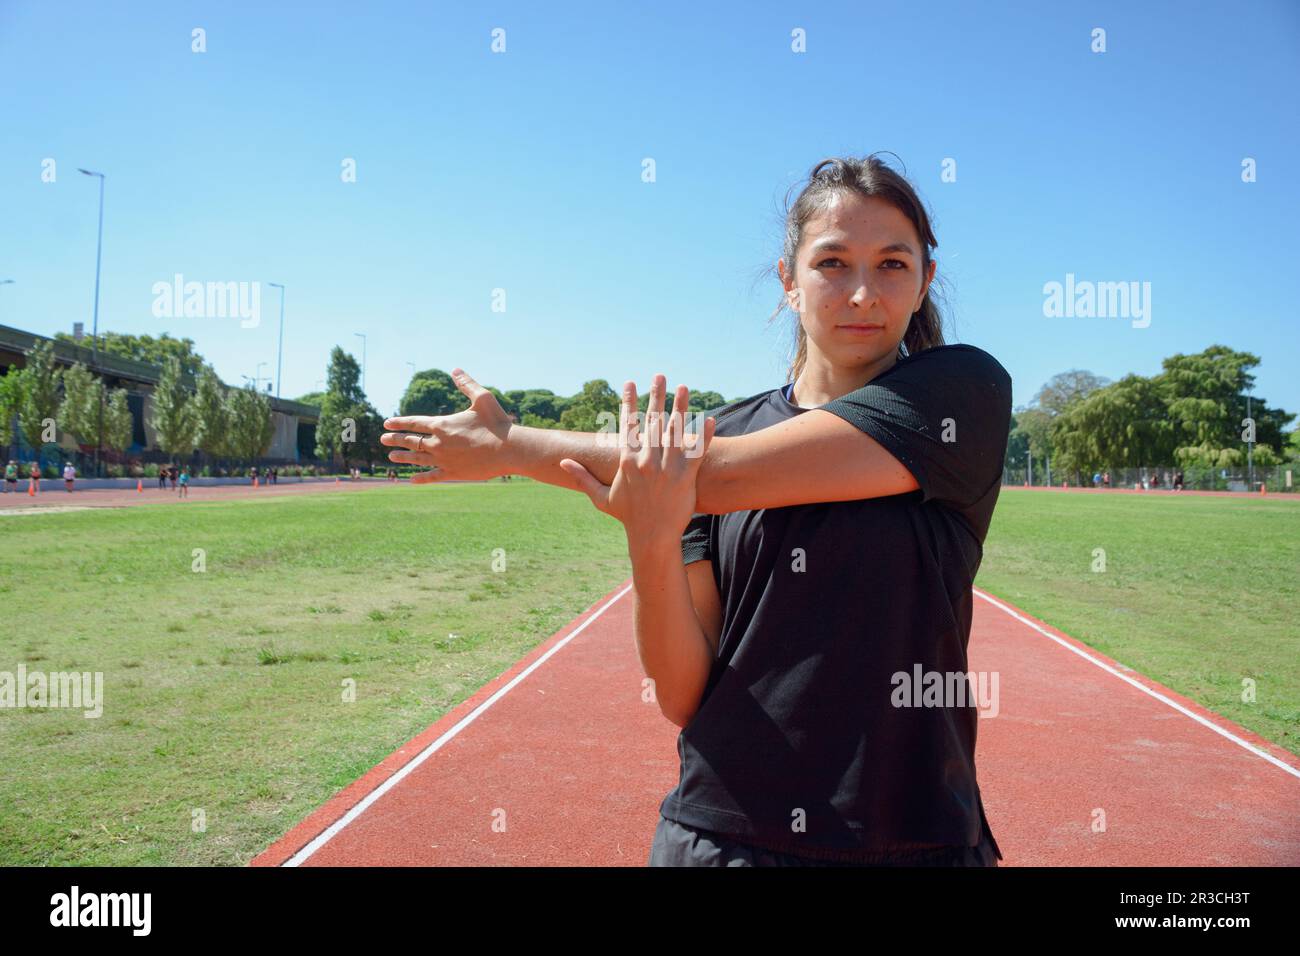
(1281, 479)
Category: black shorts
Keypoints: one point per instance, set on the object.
(676, 844)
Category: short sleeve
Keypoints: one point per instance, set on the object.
(945, 414)
(696, 543)
(697, 539)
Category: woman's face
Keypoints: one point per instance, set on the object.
(857, 280)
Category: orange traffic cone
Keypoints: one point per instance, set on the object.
(336, 479)
(1263, 489)
(31, 487)
(139, 485)
(254, 482)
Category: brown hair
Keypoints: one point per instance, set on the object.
(866, 177)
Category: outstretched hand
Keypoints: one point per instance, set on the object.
(653, 491)
(465, 446)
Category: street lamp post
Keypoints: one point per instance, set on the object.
(279, 352)
(99, 251)
(255, 379)
(363, 359)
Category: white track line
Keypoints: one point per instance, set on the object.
(424, 754)
(1142, 687)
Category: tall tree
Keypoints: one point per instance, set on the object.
(174, 417)
(432, 392)
(9, 395)
(343, 405)
(118, 424)
(79, 414)
(250, 423)
(1034, 427)
(583, 412)
(38, 400)
(1124, 425)
(213, 430)
(1205, 395)
(1065, 388)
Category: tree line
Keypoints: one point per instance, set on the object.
(220, 421)
(1192, 414)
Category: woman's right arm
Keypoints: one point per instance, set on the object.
(677, 619)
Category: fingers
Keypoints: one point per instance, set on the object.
(627, 420)
(411, 458)
(426, 477)
(710, 425)
(587, 483)
(410, 423)
(470, 388)
(405, 440)
(673, 442)
(655, 412)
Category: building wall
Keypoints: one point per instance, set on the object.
(284, 441)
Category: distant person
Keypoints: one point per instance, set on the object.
(11, 477)
(1096, 479)
(275, 476)
(1178, 481)
(69, 473)
(34, 478)
(1105, 479)
(162, 477)
(173, 473)
(1155, 480)
(252, 475)
(185, 483)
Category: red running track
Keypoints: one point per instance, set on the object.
(560, 761)
(60, 499)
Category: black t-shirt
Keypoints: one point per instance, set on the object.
(799, 745)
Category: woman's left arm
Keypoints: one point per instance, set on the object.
(925, 426)
(939, 424)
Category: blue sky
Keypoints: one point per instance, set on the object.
(522, 171)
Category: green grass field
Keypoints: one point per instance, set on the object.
(223, 689)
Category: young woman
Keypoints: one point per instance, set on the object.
(835, 528)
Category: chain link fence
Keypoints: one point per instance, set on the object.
(1281, 479)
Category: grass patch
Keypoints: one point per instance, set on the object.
(224, 691)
